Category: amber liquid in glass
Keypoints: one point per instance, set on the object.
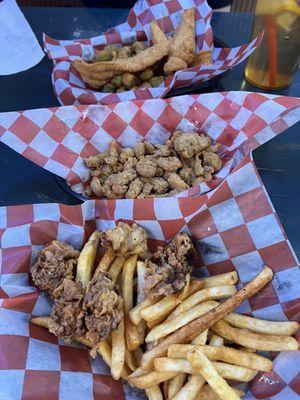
(274, 62)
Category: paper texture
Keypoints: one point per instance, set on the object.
(19, 48)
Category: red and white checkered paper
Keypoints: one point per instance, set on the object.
(234, 224)
(70, 89)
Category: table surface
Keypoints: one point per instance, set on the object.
(278, 161)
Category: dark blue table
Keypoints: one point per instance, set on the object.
(22, 182)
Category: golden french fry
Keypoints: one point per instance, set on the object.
(216, 340)
(255, 340)
(141, 328)
(206, 393)
(132, 335)
(141, 270)
(130, 360)
(186, 290)
(105, 261)
(137, 355)
(201, 338)
(191, 388)
(116, 268)
(163, 307)
(45, 321)
(135, 312)
(188, 332)
(175, 384)
(127, 282)
(285, 328)
(165, 387)
(146, 380)
(206, 368)
(212, 293)
(154, 393)
(165, 328)
(86, 259)
(228, 371)
(229, 278)
(223, 353)
(118, 351)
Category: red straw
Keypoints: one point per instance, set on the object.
(271, 35)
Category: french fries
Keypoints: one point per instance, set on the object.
(206, 393)
(201, 338)
(216, 340)
(154, 393)
(116, 268)
(162, 308)
(256, 325)
(212, 293)
(105, 261)
(127, 282)
(86, 259)
(191, 388)
(210, 374)
(135, 313)
(175, 385)
(167, 327)
(223, 353)
(141, 270)
(118, 351)
(228, 371)
(229, 278)
(147, 379)
(192, 329)
(255, 341)
(186, 334)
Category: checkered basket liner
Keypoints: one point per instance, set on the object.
(234, 225)
(70, 89)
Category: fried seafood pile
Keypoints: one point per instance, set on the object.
(153, 323)
(147, 170)
(141, 66)
(166, 270)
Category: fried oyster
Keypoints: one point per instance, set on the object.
(166, 270)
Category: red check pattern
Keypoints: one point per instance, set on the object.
(71, 90)
(230, 234)
(59, 138)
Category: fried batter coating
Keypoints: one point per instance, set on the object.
(54, 263)
(166, 270)
(134, 189)
(183, 44)
(146, 191)
(186, 174)
(162, 150)
(190, 143)
(116, 185)
(96, 187)
(124, 52)
(203, 58)
(103, 55)
(175, 181)
(65, 321)
(140, 150)
(213, 160)
(126, 239)
(94, 161)
(146, 168)
(121, 89)
(169, 164)
(138, 47)
(111, 157)
(145, 85)
(160, 185)
(198, 169)
(101, 307)
(149, 148)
